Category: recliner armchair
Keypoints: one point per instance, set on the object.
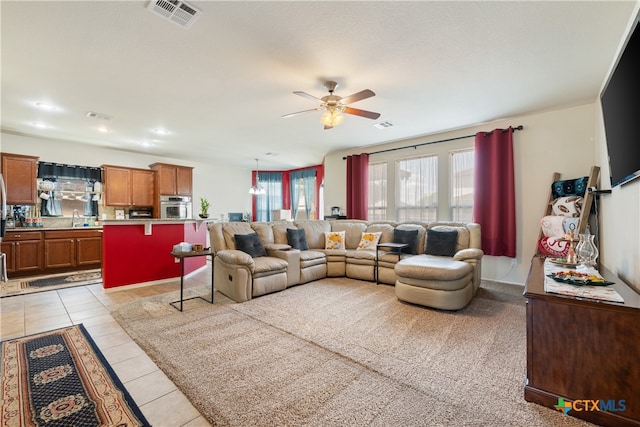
(240, 276)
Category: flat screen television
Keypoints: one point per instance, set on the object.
(620, 100)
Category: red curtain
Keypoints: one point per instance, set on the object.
(357, 186)
(494, 201)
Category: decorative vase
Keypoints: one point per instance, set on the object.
(586, 249)
(203, 216)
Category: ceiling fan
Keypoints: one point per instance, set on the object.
(334, 105)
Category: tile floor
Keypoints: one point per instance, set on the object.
(160, 401)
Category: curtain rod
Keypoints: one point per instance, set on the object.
(520, 127)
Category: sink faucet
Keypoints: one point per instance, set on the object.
(75, 215)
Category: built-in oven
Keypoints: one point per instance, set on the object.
(175, 207)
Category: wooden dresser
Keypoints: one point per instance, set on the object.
(584, 350)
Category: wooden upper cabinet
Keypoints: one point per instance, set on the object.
(19, 173)
(142, 187)
(117, 185)
(184, 181)
(128, 186)
(174, 180)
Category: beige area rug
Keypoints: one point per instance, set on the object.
(339, 352)
(49, 282)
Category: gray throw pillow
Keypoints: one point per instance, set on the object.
(409, 237)
(250, 243)
(297, 239)
(441, 243)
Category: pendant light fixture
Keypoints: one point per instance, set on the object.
(257, 189)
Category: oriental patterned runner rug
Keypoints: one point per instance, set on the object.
(49, 282)
(60, 378)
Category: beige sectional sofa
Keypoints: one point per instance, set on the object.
(423, 277)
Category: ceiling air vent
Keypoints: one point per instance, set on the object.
(176, 11)
(383, 125)
(94, 115)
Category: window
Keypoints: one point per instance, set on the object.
(417, 189)
(303, 191)
(377, 191)
(461, 197)
(272, 199)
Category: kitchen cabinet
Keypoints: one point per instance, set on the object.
(51, 251)
(19, 173)
(128, 186)
(67, 249)
(142, 187)
(23, 252)
(174, 180)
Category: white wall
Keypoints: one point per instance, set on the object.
(557, 141)
(226, 187)
(620, 210)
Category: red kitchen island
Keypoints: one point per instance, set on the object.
(139, 250)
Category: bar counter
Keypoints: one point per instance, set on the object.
(138, 251)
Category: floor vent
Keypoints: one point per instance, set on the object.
(176, 11)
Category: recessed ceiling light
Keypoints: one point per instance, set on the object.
(160, 131)
(103, 129)
(46, 106)
(40, 125)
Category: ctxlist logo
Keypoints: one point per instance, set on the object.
(589, 405)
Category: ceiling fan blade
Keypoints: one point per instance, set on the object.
(306, 95)
(359, 96)
(300, 112)
(361, 113)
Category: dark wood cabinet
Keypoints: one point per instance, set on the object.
(128, 186)
(174, 180)
(19, 173)
(51, 251)
(581, 349)
(24, 252)
(66, 249)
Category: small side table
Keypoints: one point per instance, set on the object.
(181, 256)
(395, 248)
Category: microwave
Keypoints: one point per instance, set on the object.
(175, 207)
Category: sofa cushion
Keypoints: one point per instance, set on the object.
(334, 240)
(441, 243)
(570, 206)
(314, 232)
(251, 244)
(410, 237)
(265, 232)
(570, 187)
(297, 239)
(368, 241)
(230, 229)
(352, 228)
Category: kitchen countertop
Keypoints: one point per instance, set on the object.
(23, 229)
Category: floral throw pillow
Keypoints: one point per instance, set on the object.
(334, 240)
(369, 241)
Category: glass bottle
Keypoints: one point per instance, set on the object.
(586, 249)
(594, 253)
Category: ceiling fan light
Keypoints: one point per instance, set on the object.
(331, 118)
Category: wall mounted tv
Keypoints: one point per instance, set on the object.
(620, 100)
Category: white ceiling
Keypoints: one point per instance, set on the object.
(222, 86)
